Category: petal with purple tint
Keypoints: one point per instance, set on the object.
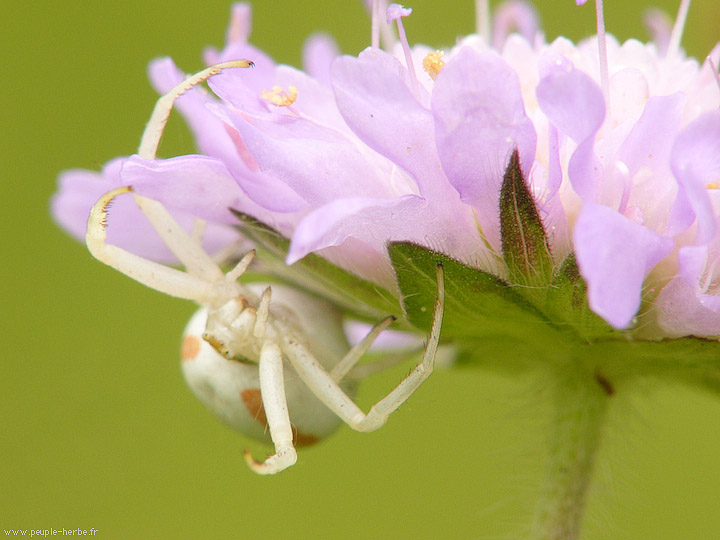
(651, 138)
(375, 100)
(242, 87)
(196, 184)
(376, 221)
(479, 121)
(683, 309)
(574, 104)
(646, 153)
(695, 161)
(128, 228)
(614, 256)
(682, 312)
(217, 140)
(319, 52)
(514, 16)
(318, 163)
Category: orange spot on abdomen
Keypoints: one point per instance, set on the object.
(252, 398)
(190, 348)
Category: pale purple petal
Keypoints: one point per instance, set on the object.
(389, 340)
(648, 146)
(374, 99)
(479, 120)
(682, 312)
(652, 136)
(695, 161)
(373, 95)
(554, 180)
(514, 16)
(215, 139)
(128, 227)
(317, 163)
(319, 52)
(683, 309)
(614, 256)
(659, 24)
(240, 26)
(196, 184)
(574, 103)
(242, 87)
(315, 101)
(376, 221)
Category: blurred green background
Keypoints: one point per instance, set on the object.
(97, 428)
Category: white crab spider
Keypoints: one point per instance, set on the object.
(291, 354)
(231, 388)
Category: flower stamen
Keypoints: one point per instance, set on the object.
(396, 12)
(433, 63)
(280, 97)
(659, 24)
(714, 70)
(482, 19)
(602, 49)
(379, 33)
(678, 28)
(375, 24)
(240, 24)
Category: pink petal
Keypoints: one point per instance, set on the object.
(479, 120)
(128, 227)
(373, 95)
(695, 161)
(683, 309)
(376, 221)
(196, 184)
(317, 163)
(615, 255)
(514, 16)
(574, 104)
(319, 52)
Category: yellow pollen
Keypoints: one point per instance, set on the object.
(713, 185)
(432, 63)
(278, 96)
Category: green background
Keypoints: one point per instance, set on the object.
(97, 428)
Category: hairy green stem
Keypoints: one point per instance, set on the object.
(580, 404)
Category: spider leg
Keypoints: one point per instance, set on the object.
(327, 390)
(387, 361)
(272, 389)
(155, 275)
(263, 311)
(201, 285)
(161, 113)
(353, 355)
(205, 283)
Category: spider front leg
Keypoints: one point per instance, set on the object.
(325, 387)
(272, 388)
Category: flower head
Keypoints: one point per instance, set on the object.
(514, 156)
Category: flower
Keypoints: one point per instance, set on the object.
(617, 146)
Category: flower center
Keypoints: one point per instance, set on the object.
(280, 97)
(433, 63)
